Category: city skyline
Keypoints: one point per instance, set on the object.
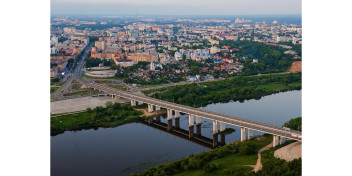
(172, 7)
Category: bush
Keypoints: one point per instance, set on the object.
(247, 148)
(228, 171)
(211, 167)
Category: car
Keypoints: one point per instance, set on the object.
(287, 129)
(299, 136)
(294, 135)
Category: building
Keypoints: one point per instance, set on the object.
(54, 50)
(54, 40)
(100, 45)
(178, 56)
(138, 57)
(53, 72)
(124, 63)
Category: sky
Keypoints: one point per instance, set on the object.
(175, 7)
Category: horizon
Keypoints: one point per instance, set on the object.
(176, 7)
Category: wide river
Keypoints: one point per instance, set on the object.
(136, 147)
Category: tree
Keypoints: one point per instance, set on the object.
(247, 148)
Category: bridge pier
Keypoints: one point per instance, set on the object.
(169, 119)
(243, 134)
(250, 133)
(199, 125)
(275, 140)
(150, 121)
(177, 114)
(282, 140)
(157, 108)
(133, 102)
(150, 108)
(177, 119)
(215, 133)
(222, 136)
(191, 125)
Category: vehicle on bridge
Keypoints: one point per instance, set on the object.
(287, 129)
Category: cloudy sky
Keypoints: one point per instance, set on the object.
(175, 7)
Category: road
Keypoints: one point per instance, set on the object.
(73, 75)
(236, 121)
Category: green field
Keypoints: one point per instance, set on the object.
(54, 89)
(230, 165)
(119, 87)
(231, 159)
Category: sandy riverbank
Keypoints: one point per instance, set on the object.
(289, 152)
(79, 104)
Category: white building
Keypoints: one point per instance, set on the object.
(54, 50)
(178, 56)
(214, 50)
(54, 40)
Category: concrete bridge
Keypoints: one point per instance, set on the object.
(195, 115)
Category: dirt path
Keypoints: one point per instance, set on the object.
(259, 166)
(154, 113)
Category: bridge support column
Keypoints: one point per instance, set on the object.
(275, 140)
(133, 102)
(243, 134)
(191, 125)
(150, 108)
(250, 133)
(215, 133)
(157, 108)
(199, 125)
(177, 119)
(282, 140)
(150, 121)
(177, 114)
(222, 136)
(177, 123)
(169, 119)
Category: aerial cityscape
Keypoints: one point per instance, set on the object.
(143, 94)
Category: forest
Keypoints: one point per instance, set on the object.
(271, 58)
(235, 89)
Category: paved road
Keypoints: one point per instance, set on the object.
(72, 76)
(236, 121)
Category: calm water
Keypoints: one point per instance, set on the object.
(135, 147)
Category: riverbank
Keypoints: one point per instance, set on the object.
(81, 104)
(289, 152)
(234, 89)
(112, 115)
(231, 159)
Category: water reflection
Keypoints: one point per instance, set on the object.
(136, 147)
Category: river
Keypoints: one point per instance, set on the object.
(134, 147)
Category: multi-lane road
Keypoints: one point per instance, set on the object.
(236, 121)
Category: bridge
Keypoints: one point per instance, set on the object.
(194, 114)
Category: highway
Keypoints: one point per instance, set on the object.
(236, 121)
(72, 76)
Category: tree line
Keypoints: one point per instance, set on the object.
(236, 89)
